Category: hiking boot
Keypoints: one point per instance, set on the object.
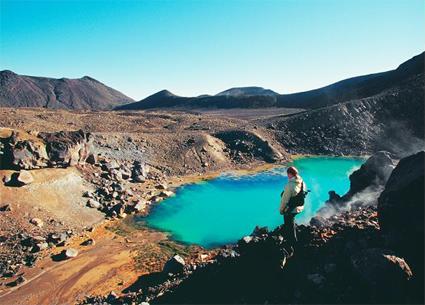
(289, 251)
(283, 262)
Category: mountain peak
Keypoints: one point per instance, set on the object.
(162, 93)
(7, 73)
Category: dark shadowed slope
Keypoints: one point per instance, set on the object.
(83, 93)
(257, 97)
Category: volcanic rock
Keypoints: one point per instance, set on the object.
(91, 159)
(67, 148)
(24, 177)
(174, 265)
(88, 242)
(140, 205)
(401, 208)
(5, 208)
(139, 171)
(93, 204)
(383, 272)
(59, 149)
(71, 252)
(41, 246)
(37, 222)
(375, 171)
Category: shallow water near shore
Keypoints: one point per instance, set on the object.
(222, 210)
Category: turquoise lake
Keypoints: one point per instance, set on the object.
(223, 210)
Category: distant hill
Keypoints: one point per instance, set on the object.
(83, 93)
(247, 91)
(161, 99)
(356, 87)
(257, 97)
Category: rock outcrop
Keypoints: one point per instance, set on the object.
(366, 184)
(404, 195)
(374, 172)
(21, 150)
(67, 148)
(401, 208)
(247, 145)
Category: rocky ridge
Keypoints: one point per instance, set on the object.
(391, 121)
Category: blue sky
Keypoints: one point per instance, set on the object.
(206, 46)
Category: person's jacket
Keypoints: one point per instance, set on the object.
(292, 188)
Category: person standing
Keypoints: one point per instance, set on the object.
(291, 204)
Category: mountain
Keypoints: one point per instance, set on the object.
(161, 99)
(256, 97)
(83, 93)
(247, 91)
(354, 88)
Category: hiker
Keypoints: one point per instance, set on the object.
(292, 203)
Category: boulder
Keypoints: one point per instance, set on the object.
(91, 159)
(140, 205)
(37, 222)
(260, 231)
(161, 186)
(5, 208)
(41, 246)
(71, 252)
(166, 194)
(93, 204)
(24, 177)
(18, 281)
(139, 171)
(384, 273)
(88, 242)
(139, 179)
(125, 172)
(174, 265)
(58, 238)
(318, 222)
(247, 239)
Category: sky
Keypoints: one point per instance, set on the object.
(206, 46)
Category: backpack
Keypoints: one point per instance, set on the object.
(298, 199)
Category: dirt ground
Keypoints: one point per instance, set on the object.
(119, 256)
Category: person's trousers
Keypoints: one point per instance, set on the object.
(290, 228)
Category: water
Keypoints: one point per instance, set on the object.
(222, 210)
